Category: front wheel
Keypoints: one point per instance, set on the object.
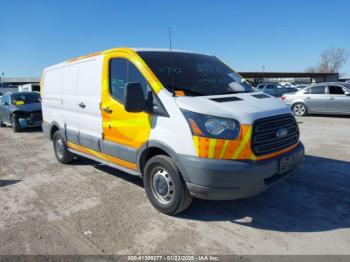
(164, 185)
(15, 124)
(299, 109)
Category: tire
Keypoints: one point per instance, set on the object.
(15, 124)
(299, 109)
(60, 148)
(164, 185)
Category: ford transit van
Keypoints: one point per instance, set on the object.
(186, 123)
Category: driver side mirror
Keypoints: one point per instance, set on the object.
(135, 99)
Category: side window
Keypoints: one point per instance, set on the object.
(118, 78)
(335, 90)
(317, 90)
(122, 72)
(136, 76)
(269, 87)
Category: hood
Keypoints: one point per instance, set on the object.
(28, 107)
(245, 107)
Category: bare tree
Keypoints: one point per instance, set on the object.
(331, 60)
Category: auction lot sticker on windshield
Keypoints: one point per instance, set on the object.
(19, 103)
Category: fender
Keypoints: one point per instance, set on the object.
(167, 149)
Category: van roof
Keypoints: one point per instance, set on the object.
(164, 50)
(119, 49)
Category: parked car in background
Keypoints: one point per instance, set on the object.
(20, 110)
(275, 90)
(300, 86)
(321, 98)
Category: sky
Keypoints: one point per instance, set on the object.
(284, 35)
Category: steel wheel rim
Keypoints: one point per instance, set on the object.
(59, 148)
(299, 109)
(163, 186)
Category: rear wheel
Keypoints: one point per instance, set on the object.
(15, 124)
(299, 109)
(61, 150)
(164, 185)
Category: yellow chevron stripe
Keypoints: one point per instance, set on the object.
(224, 148)
(195, 141)
(212, 144)
(243, 143)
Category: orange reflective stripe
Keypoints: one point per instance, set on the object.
(246, 152)
(82, 57)
(231, 148)
(247, 133)
(203, 146)
(103, 156)
(277, 153)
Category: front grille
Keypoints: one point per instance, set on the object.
(36, 116)
(265, 139)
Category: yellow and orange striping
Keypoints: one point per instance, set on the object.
(84, 56)
(103, 156)
(239, 149)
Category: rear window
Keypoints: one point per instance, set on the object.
(335, 90)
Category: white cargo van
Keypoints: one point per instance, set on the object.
(185, 122)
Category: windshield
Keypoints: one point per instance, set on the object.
(24, 99)
(194, 74)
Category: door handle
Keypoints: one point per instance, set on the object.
(82, 105)
(308, 97)
(107, 110)
(332, 98)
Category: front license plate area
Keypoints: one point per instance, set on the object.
(286, 164)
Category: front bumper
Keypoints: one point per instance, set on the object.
(231, 179)
(24, 123)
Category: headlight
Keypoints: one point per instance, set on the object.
(212, 126)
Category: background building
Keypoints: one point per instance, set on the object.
(12, 84)
(298, 77)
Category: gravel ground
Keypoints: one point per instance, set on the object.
(88, 208)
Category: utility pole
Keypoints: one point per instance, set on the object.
(2, 79)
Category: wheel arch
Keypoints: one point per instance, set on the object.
(50, 129)
(153, 148)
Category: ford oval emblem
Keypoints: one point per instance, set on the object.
(282, 132)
